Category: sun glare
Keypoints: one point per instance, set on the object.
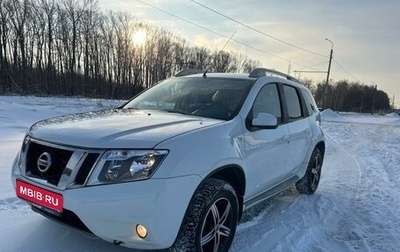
(139, 37)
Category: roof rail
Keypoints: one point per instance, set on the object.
(259, 72)
(188, 71)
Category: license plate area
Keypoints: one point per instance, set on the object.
(39, 196)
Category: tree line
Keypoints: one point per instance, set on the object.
(70, 47)
(344, 95)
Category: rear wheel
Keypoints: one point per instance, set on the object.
(211, 219)
(309, 183)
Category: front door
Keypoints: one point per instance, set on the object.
(266, 148)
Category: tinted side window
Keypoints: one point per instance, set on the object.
(310, 102)
(293, 102)
(268, 101)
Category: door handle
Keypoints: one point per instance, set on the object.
(285, 139)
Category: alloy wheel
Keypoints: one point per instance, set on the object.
(316, 171)
(217, 225)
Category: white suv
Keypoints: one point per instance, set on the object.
(175, 167)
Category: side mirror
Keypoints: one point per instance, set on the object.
(265, 121)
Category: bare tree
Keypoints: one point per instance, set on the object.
(4, 34)
(221, 61)
(48, 11)
(69, 47)
(19, 12)
(75, 11)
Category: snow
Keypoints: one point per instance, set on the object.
(356, 207)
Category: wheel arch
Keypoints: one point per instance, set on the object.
(321, 147)
(235, 176)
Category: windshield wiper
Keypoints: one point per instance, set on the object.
(177, 111)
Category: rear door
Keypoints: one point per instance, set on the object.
(299, 129)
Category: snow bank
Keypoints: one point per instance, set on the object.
(330, 115)
(393, 114)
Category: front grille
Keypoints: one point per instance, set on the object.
(38, 165)
(59, 160)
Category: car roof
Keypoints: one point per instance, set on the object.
(222, 75)
(268, 78)
(256, 74)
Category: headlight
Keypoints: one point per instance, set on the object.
(20, 159)
(117, 166)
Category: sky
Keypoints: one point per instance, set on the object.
(290, 36)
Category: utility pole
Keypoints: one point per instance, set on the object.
(373, 98)
(327, 75)
(393, 103)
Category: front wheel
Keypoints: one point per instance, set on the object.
(309, 183)
(211, 219)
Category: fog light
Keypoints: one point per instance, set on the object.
(141, 231)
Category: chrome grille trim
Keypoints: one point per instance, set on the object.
(67, 174)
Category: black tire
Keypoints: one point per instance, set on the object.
(211, 219)
(309, 183)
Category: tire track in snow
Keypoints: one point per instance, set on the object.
(343, 229)
(323, 221)
(379, 205)
(369, 224)
(334, 143)
(293, 222)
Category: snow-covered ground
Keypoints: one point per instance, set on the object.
(356, 208)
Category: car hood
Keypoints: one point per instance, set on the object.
(117, 128)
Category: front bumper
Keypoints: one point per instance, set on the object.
(113, 211)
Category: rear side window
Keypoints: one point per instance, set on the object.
(310, 102)
(292, 102)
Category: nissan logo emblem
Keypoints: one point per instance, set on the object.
(44, 162)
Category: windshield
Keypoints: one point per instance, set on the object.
(219, 98)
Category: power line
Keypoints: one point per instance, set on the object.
(219, 34)
(274, 55)
(188, 21)
(258, 31)
(227, 42)
(346, 71)
(242, 43)
(312, 67)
